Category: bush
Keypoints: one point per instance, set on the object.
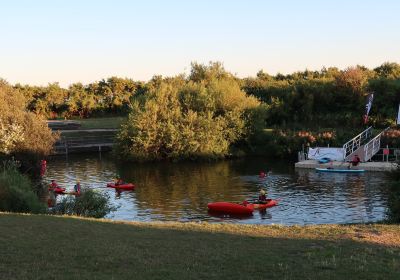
(88, 204)
(202, 117)
(16, 193)
(30, 134)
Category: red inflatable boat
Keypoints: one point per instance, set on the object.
(270, 203)
(231, 208)
(57, 190)
(239, 209)
(122, 187)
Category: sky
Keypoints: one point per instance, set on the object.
(68, 41)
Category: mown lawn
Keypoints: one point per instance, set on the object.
(46, 247)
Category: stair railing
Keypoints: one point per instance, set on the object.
(355, 143)
(373, 146)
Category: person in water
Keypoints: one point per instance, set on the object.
(262, 198)
(52, 199)
(77, 187)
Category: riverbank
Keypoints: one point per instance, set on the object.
(44, 247)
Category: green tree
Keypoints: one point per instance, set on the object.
(36, 137)
(200, 117)
(388, 70)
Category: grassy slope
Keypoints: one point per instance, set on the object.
(44, 247)
(102, 123)
(94, 123)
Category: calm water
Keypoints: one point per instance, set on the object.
(181, 191)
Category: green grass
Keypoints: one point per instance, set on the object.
(45, 247)
(102, 123)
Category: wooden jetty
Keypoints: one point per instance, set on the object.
(85, 140)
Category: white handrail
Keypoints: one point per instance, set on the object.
(373, 146)
(356, 142)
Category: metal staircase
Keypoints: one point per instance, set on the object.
(364, 145)
(373, 146)
(354, 144)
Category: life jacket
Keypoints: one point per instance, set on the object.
(262, 197)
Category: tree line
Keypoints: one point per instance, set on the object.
(328, 97)
(110, 96)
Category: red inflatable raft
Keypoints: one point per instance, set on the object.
(122, 187)
(239, 209)
(231, 208)
(270, 203)
(57, 190)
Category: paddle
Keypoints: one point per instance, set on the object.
(245, 202)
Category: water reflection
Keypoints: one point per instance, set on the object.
(181, 191)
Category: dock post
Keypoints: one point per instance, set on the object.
(387, 156)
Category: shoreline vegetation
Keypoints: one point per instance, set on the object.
(103, 249)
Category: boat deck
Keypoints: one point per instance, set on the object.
(367, 166)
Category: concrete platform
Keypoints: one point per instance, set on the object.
(367, 166)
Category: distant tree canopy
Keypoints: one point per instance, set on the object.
(109, 96)
(21, 131)
(329, 97)
(201, 116)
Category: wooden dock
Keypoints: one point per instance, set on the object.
(368, 166)
(85, 141)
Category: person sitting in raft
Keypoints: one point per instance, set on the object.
(119, 182)
(262, 198)
(77, 187)
(355, 161)
(53, 184)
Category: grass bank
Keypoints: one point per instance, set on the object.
(102, 123)
(46, 247)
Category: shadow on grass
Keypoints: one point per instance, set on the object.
(42, 247)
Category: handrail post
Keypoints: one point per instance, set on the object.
(66, 147)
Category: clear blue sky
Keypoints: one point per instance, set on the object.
(86, 40)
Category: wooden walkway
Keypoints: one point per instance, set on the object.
(99, 140)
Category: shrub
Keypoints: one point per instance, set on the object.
(391, 137)
(88, 204)
(16, 193)
(200, 117)
(30, 132)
